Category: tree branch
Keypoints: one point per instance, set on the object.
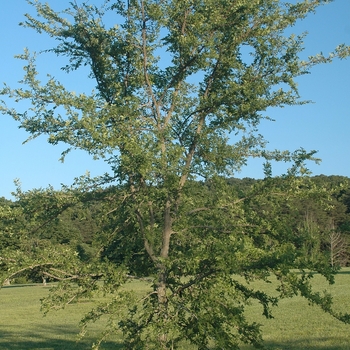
(197, 279)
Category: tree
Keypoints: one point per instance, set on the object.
(9, 215)
(178, 100)
(26, 250)
(338, 248)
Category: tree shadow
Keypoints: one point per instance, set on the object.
(56, 339)
(322, 343)
(343, 272)
(63, 338)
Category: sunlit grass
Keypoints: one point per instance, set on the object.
(23, 326)
(296, 326)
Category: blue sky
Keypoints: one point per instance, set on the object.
(323, 125)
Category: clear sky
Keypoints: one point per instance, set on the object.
(323, 125)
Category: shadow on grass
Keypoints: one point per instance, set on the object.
(38, 341)
(327, 343)
(27, 285)
(63, 340)
(343, 272)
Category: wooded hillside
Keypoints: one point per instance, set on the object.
(38, 221)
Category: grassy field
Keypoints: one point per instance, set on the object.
(299, 326)
(296, 326)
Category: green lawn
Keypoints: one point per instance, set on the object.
(296, 326)
(299, 326)
(22, 325)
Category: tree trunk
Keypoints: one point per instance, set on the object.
(162, 276)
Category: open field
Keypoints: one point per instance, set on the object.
(296, 326)
(299, 326)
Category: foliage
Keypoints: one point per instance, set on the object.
(9, 215)
(176, 98)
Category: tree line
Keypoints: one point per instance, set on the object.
(37, 222)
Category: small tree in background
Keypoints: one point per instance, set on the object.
(338, 247)
(176, 99)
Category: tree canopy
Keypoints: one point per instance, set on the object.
(177, 99)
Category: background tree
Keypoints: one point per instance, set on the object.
(176, 99)
(339, 248)
(10, 216)
(326, 226)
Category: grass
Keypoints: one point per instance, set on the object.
(299, 326)
(296, 326)
(23, 326)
